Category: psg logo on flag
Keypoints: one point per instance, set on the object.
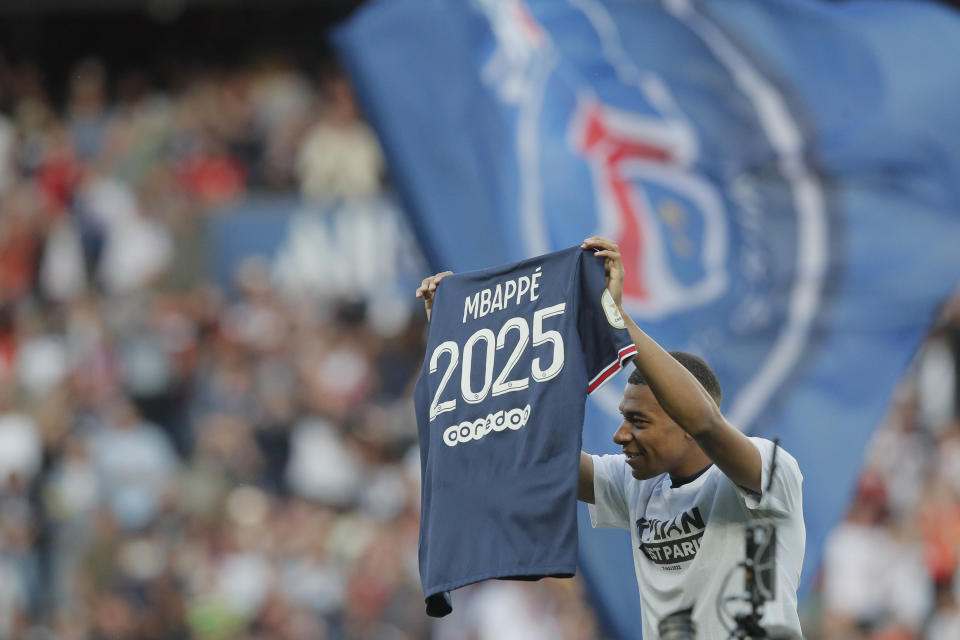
(722, 226)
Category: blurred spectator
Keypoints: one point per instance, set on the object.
(87, 118)
(21, 451)
(496, 610)
(41, 356)
(20, 241)
(944, 623)
(890, 569)
(856, 562)
(8, 136)
(322, 466)
(340, 157)
(135, 464)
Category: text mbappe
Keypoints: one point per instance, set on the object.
(502, 295)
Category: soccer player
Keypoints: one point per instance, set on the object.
(686, 485)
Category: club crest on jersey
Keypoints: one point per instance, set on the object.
(610, 309)
(719, 249)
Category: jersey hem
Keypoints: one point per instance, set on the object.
(554, 571)
(613, 368)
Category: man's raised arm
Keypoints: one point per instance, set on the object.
(679, 393)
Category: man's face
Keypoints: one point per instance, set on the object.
(652, 441)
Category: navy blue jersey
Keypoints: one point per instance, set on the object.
(512, 353)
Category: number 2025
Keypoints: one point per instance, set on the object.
(501, 384)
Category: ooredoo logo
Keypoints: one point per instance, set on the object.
(472, 430)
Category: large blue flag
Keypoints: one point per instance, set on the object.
(783, 178)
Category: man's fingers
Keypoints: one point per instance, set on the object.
(596, 242)
(435, 280)
(429, 285)
(423, 288)
(607, 253)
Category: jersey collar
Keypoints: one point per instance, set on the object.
(679, 482)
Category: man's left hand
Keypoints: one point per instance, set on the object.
(610, 252)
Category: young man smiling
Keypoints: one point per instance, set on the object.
(686, 484)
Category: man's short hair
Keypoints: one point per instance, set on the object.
(695, 365)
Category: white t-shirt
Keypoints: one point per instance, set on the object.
(687, 539)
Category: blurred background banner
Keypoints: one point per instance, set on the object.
(782, 178)
(313, 248)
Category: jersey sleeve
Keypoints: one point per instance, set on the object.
(785, 493)
(606, 342)
(610, 509)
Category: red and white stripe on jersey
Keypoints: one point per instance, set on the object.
(610, 371)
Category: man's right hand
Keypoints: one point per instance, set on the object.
(427, 289)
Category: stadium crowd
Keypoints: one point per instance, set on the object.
(180, 459)
(890, 569)
(184, 459)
